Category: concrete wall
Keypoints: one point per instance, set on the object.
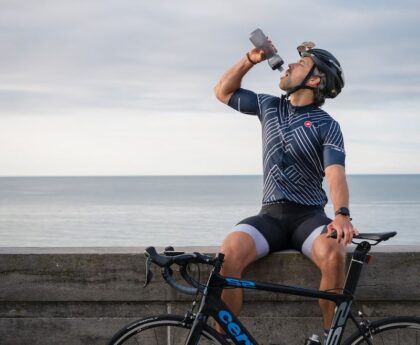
(83, 295)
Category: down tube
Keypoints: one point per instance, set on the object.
(229, 322)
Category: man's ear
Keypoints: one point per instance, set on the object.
(314, 81)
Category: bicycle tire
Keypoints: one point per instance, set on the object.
(393, 331)
(165, 329)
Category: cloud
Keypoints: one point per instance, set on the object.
(172, 51)
(125, 57)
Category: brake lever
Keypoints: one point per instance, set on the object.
(149, 273)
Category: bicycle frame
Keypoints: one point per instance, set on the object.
(212, 305)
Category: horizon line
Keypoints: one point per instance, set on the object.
(189, 175)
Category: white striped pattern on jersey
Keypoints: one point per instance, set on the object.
(298, 144)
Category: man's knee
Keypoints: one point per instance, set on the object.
(239, 250)
(337, 256)
(334, 261)
(329, 256)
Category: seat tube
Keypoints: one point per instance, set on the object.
(355, 268)
(341, 315)
(342, 310)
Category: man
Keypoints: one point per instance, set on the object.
(301, 144)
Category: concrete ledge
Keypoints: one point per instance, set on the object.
(83, 295)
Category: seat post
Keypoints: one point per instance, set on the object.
(355, 268)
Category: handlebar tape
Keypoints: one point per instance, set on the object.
(167, 275)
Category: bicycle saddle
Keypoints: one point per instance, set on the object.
(374, 236)
(378, 236)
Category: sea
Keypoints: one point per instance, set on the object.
(176, 210)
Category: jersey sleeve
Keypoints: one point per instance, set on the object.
(333, 152)
(245, 101)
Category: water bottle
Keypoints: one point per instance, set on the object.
(260, 41)
(313, 340)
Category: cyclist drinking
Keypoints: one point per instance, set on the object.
(301, 144)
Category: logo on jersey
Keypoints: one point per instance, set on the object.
(307, 124)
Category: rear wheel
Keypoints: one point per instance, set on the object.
(163, 330)
(403, 330)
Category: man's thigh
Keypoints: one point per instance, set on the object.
(310, 227)
(268, 234)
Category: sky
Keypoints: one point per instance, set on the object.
(126, 87)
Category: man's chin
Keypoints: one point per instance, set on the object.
(283, 87)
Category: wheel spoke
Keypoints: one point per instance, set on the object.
(156, 338)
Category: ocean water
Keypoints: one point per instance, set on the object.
(182, 210)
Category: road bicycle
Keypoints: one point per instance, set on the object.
(194, 328)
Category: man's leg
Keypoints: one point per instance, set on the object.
(240, 250)
(330, 257)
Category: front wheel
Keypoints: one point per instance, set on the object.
(163, 330)
(404, 330)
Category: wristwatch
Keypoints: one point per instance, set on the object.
(343, 211)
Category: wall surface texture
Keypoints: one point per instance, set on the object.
(83, 295)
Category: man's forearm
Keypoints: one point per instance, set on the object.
(339, 190)
(339, 193)
(231, 80)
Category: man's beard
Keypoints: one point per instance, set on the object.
(286, 85)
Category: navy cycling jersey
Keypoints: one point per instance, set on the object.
(298, 144)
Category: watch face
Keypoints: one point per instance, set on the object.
(343, 210)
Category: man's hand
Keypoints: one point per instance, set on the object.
(232, 78)
(345, 230)
(257, 55)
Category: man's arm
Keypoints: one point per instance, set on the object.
(339, 193)
(232, 78)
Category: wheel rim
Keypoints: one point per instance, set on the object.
(398, 333)
(162, 332)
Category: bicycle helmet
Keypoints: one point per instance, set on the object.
(326, 64)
